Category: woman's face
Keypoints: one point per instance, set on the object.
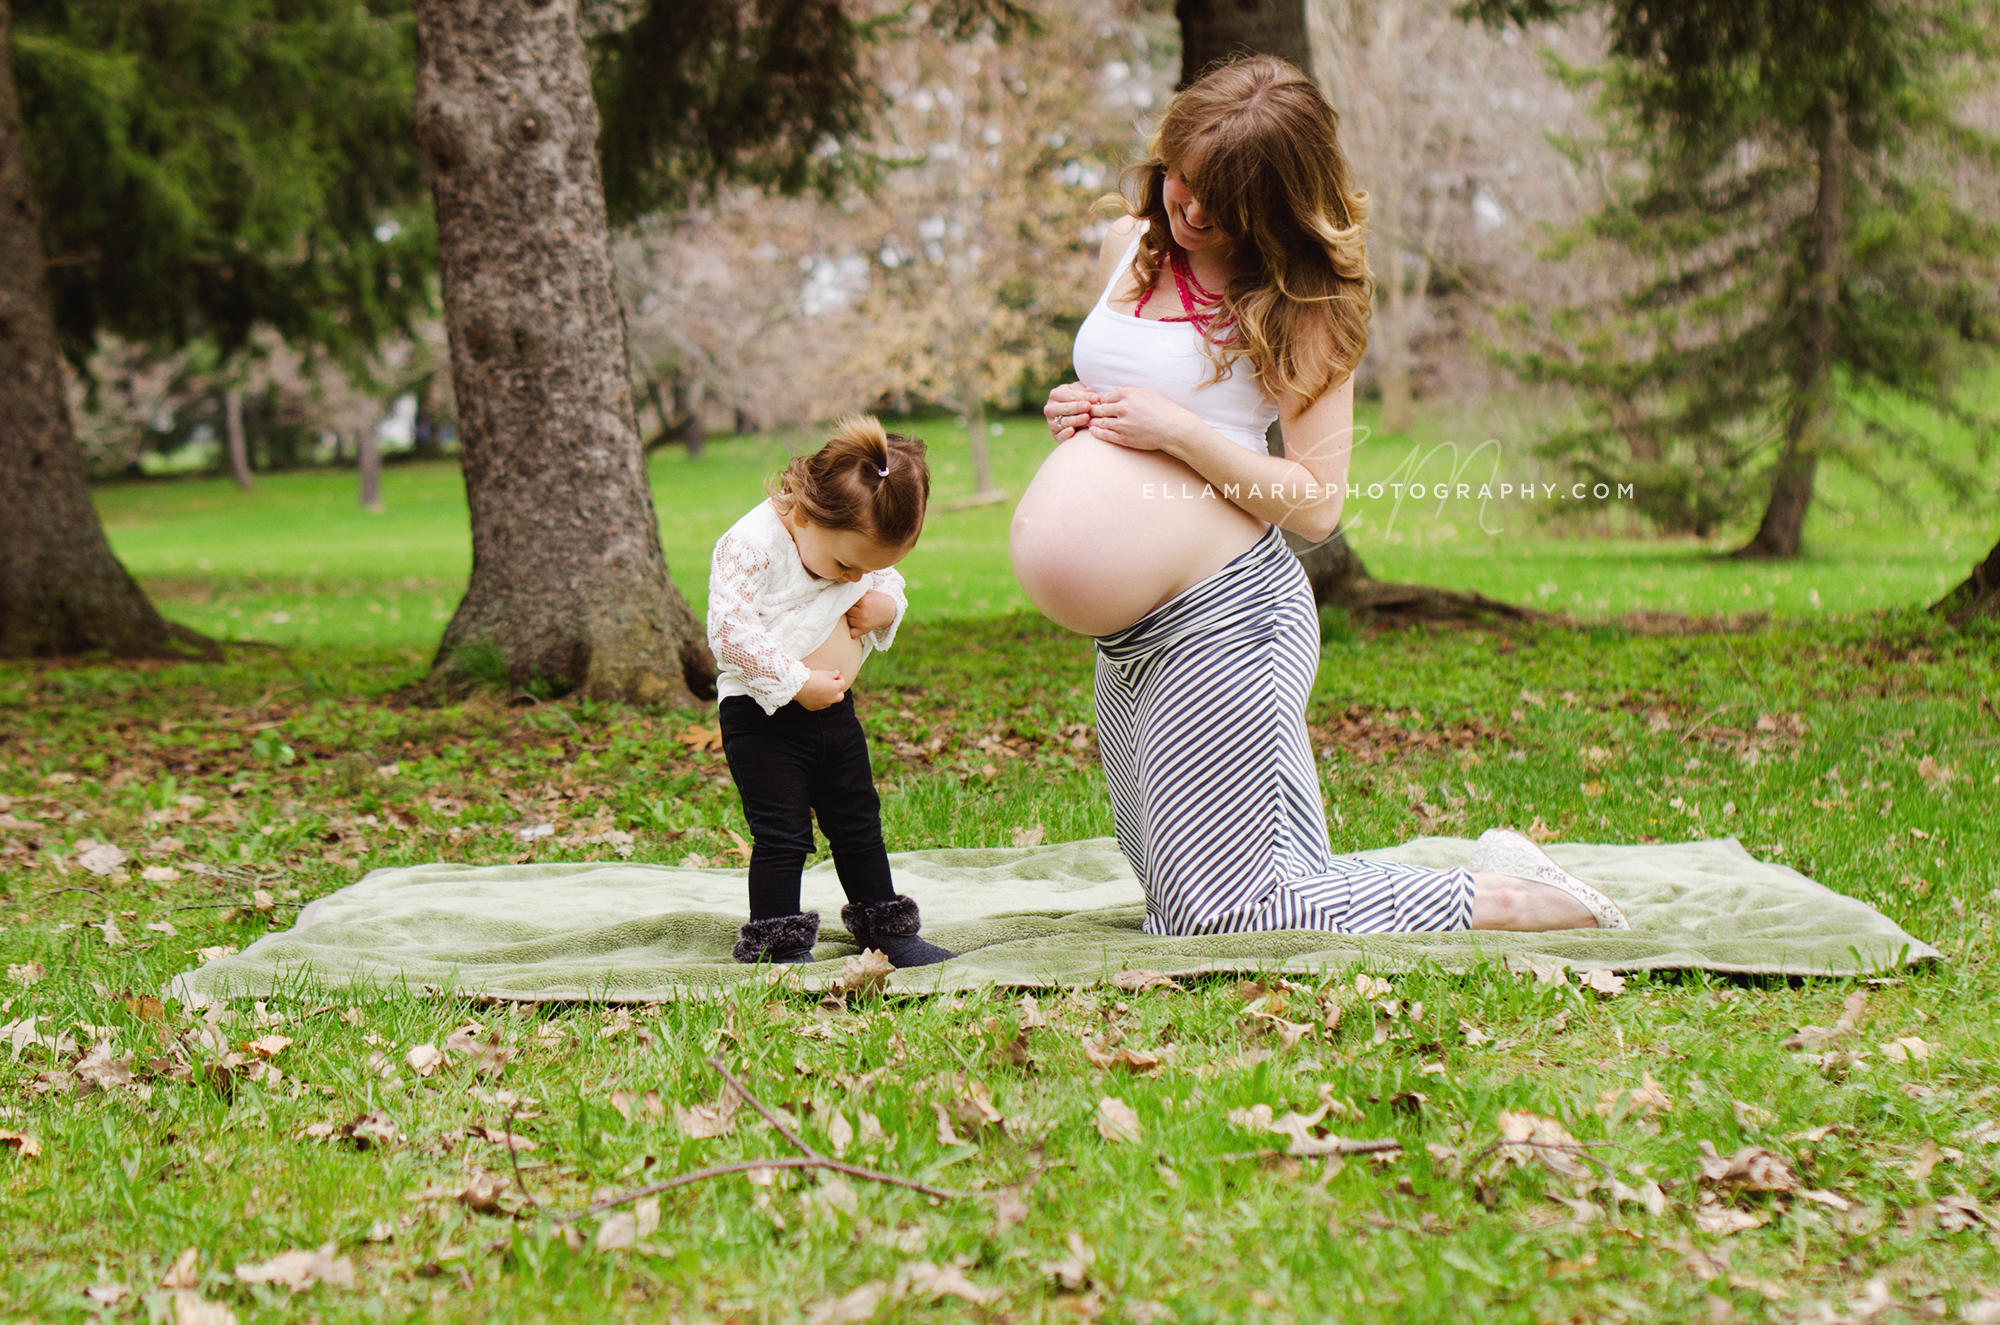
(1192, 228)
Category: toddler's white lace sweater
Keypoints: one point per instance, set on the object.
(766, 610)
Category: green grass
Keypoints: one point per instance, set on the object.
(214, 1160)
(973, 718)
(296, 561)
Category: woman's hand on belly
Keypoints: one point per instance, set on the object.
(1068, 410)
(1143, 420)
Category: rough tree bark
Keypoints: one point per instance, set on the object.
(1212, 31)
(61, 589)
(1783, 526)
(569, 582)
(1977, 596)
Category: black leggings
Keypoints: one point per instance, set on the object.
(791, 766)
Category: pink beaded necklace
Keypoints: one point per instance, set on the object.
(1191, 292)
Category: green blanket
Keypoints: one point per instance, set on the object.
(1035, 916)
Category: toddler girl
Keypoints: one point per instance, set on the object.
(801, 590)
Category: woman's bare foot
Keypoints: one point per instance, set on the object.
(1500, 901)
(1507, 857)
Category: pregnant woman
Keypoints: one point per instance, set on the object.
(1235, 292)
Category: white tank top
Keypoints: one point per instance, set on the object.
(1116, 349)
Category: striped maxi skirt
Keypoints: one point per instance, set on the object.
(1201, 726)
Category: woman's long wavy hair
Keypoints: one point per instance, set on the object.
(1256, 142)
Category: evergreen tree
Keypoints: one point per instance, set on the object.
(1808, 245)
(206, 166)
(180, 170)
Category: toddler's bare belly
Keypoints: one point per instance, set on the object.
(1104, 534)
(840, 653)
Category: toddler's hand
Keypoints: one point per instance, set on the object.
(821, 690)
(872, 611)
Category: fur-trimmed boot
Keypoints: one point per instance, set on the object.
(780, 940)
(891, 929)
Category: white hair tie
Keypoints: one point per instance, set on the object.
(883, 472)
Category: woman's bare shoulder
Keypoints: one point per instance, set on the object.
(1117, 239)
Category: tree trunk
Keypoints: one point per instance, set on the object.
(569, 583)
(691, 431)
(1784, 522)
(423, 428)
(1216, 30)
(973, 402)
(368, 464)
(62, 591)
(1977, 596)
(232, 430)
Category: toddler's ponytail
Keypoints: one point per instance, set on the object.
(864, 478)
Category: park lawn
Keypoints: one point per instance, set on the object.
(1535, 723)
(296, 561)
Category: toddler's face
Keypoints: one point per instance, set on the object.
(840, 554)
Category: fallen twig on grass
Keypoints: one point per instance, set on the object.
(73, 888)
(812, 1159)
(1755, 689)
(1379, 1146)
(1576, 1148)
(1715, 713)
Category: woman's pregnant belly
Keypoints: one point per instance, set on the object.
(1105, 534)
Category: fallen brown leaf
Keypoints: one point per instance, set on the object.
(424, 1059)
(945, 1135)
(1116, 1121)
(623, 1229)
(1727, 1219)
(1072, 1271)
(1010, 1207)
(1750, 1169)
(1831, 1200)
(1545, 1139)
(500, 1136)
(859, 1305)
(839, 1133)
(1603, 983)
(1647, 1095)
(300, 1269)
(191, 1308)
(98, 1070)
(365, 1132)
(925, 1280)
(21, 1144)
(705, 1121)
(1955, 1214)
(1138, 982)
(183, 1273)
(864, 973)
(485, 1193)
(1906, 1049)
